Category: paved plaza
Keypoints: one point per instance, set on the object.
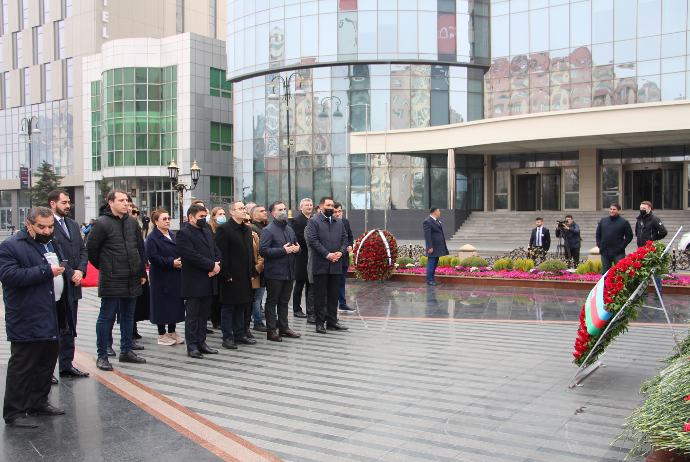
(448, 373)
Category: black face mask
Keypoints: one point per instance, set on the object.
(328, 212)
(201, 224)
(643, 212)
(43, 238)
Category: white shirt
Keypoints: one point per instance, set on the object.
(538, 237)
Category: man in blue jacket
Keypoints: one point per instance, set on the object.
(38, 309)
(435, 242)
(613, 236)
(278, 245)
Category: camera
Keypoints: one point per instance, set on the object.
(561, 223)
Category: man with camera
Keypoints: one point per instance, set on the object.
(570, 231)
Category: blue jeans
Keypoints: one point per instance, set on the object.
(607, 261)
(232, 321)
(431, 269)
(106, 319)
(343, 279)
(258, 296)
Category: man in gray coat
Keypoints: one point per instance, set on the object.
(327, 237)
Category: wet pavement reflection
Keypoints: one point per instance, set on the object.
(418, 300)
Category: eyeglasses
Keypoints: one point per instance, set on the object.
(135, 212)
(240, 208)
(165, 218)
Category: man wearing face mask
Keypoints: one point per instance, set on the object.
(38, 308)
(278, 245)
(327, 237)
(201, 262)
(649, 227)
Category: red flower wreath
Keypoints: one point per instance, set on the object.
(372, 263)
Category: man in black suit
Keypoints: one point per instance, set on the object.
(435, 242)
(541, 238)
(201, 262)
(346, 256)
(68, 235)
(299, 223)
(327, 238)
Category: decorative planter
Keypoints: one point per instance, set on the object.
(664, 455)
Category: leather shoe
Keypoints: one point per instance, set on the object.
(336, 326)
(432, 283)
(208, 351)
(110, 351)
(272, 336)
(245, 340)
(136, 347)
(195, 354)
(311, 319)
(261, 327)
(73, 372)
(229, 344)
(299, 314)
(47, 409)
(103, 364)
(289, 333)
(22, 422)
(209, 331)
(320, 330)
(345, 308)
(131, 357)
(54, 381)
(249, 333)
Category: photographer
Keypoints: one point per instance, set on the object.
(571, 232)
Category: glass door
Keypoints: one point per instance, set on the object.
(673, 180)
(551, 191)
(526, 192)
(5, 218)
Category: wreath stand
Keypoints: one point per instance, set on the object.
(587, 369)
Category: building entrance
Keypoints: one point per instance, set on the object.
(537, 192)
(662, 187)
(526, 192)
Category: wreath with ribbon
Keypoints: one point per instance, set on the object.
(611, 294)
(374, 255)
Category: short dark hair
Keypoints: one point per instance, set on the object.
(251, 213)
(272, 207)
(198, 201)
(111, 195)
(569, 216)
(539, 219)
(324, 199)
(433, 209)
(647, 203)
(54, 196)
(337, 205)
(43, 212)
(194, 209)
(618, 206)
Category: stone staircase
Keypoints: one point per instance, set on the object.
(505, 231)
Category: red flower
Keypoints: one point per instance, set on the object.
(649, 243)
(687, 398)
(631, 274)
(637, 265)
(653, 249)
(687, 427)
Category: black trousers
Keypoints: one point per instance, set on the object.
(66, 355)
(326, 289)
(277, 295)
(300, 287)
(198, 309)
(216, 307)
(575, 255)
(29, 373)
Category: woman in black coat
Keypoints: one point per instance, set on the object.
(165, 275)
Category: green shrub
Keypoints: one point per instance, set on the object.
(455, 261)
(504, 264)
(598, 267)
(352, 259)
(423, 261)
(445, 261)
(474, 261)
(553, 265)
(525, 264)
(404, 261)
(589, 267)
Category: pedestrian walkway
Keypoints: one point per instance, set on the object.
(421, 375)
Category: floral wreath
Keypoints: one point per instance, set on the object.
(620, 283)
(373, 257)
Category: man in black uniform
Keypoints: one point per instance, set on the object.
(649, 227)
(299, 223)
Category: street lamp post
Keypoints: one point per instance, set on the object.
(28, 128)
(173, 173)
(286, 97)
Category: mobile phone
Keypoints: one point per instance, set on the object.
(63, 263)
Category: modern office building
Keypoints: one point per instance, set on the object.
(48, 70)
(513, 105)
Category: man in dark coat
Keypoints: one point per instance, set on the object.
(299, 223)
(234, 240)
(571, 232)
(201, 262)
(114, 250)
(38, 308)
(346, 257)
(328, 239)
(540, 237)
(435, 242)
(648, 227)
(278, 245)
(613, 236)
(67, 234)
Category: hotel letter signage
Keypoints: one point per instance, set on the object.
(105, 19)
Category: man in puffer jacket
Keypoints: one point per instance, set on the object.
(113, 248)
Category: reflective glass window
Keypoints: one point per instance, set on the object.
(602, 21)
(625, 19)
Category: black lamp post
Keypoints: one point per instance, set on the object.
(173, 173)
(286, 96)
(28, 128)
(337, 115)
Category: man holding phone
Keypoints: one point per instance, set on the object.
(76, 259)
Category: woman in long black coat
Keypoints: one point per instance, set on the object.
(165, 276)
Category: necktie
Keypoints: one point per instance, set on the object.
(538, 237)
(62, 223)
